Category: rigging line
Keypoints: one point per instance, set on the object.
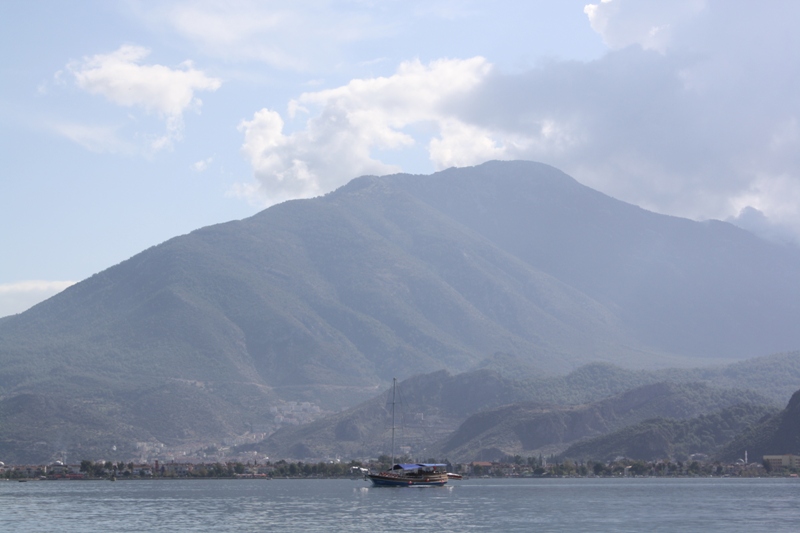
(397, 405)
(410, 436)
(416, 435)
(394, 404)
(390, 405)
(403, 407)
(423, 431)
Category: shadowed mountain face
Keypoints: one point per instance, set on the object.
(325, 300)
(428, 407)
(480, 415)
(777, 435)
(528, 429)
(483, 414)
(670, 438)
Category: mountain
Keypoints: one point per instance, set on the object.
(325, 300)
(702, 288)
(772, 376)
(668, 438)
(428, 407)
(431, 407)
(531, 428)
(777, 435)
(775, 376)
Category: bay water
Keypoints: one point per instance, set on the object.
(596, 505)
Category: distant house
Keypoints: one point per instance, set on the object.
(29, 470)
(480, 468)
(57, 469)
(264, 469)
(778, 462)
(178, 469)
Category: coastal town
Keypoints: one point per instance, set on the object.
(786, 465)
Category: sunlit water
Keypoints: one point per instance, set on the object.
(650, 505)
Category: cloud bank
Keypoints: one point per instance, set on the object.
(683, 115)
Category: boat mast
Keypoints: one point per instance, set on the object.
(394, 390)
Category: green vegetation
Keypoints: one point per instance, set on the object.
(775, 435)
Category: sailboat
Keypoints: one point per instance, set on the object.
(409, 474)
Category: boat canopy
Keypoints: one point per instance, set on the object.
(415, 466)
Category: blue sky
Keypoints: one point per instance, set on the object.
(127, 123)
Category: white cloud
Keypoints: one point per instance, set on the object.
(121, 78)
(20, 296)
(683, 116)
(202, 165)
(354, 119)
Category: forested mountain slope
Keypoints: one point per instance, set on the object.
(777, 435)
(670, 438)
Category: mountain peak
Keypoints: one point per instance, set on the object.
(323, 300)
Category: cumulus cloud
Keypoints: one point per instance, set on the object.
(348, 122)
(121, 78)
(693, 112)
(18, 297)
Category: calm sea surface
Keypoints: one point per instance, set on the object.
(649, 505)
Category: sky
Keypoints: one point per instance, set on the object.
(126, 123)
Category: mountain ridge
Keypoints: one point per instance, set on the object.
(325, 300)
(665, 438)
(446, 402)
(777, 435)
(529, 429)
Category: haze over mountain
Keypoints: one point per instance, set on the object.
(481, 414)
(325, 300)
(528, 429)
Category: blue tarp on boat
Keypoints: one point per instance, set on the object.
(414, 466)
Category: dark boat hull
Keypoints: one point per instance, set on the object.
(383, 480)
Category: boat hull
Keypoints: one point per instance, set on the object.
(382, 480)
